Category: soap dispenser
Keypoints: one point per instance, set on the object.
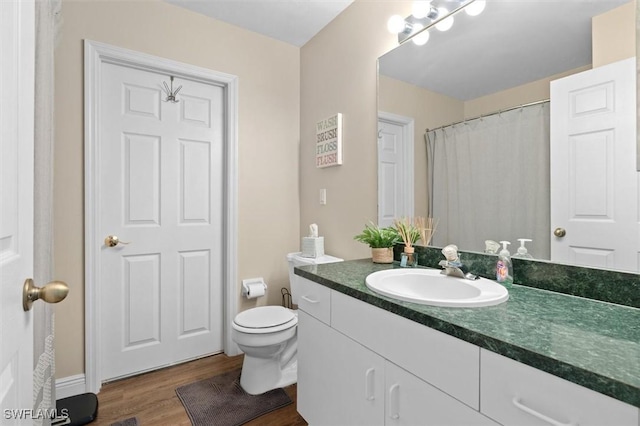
(491, 247)
(504, 267)
(523, 253)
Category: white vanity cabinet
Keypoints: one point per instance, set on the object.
(362, 365)
(411, 401)
(513, 393)
(368, 378)
(340, 382)
(449, 364)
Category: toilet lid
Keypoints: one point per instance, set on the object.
(264, 317)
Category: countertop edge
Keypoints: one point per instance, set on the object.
(605, 385)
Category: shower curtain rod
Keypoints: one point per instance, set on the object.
(487, 115)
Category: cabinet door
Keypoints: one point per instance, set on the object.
(340, 382)
(411, 401)
(448, 363)
(517, 394)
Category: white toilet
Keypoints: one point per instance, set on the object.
(268, 337)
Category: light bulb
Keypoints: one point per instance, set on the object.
(445, 24)
(422, 38)
(475, 8)
(420, 9)
(396, 24)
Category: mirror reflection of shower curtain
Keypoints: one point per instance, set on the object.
(489, 180)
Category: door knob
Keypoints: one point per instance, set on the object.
(113, 240)
(53, 292)
(559, 232)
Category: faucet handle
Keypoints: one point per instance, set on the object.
(450, 253)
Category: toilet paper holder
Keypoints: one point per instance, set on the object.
(252, 284)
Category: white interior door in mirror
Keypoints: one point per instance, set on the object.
(594, 182)
(395, 168)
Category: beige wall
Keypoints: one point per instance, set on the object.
(338, 74)
(269, 109)
(614, 35)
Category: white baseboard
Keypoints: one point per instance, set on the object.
(70, 386)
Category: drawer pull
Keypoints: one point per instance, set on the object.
(369, 385)
(308, 300)
(394, 402)
(534, 413)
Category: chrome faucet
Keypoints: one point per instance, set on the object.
(452, 266)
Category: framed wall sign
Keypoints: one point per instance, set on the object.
(329, 141)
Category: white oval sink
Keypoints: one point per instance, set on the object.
(430, 287)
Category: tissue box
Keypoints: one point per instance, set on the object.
(312, 246)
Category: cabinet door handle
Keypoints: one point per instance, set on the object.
(369, 384)
(521, 406)
(394, 402)
(308, 300)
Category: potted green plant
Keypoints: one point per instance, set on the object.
(381, 241)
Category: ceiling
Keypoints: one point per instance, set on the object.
(512, 42)
(292, 21)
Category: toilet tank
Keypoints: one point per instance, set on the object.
(296, 259)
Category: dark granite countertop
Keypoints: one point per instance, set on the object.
(592, 343)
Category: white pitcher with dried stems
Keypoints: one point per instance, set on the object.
(426, 227)
(411, 231)
(410, 234)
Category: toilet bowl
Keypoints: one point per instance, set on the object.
(268, 337)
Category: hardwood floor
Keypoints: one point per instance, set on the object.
(151, 397)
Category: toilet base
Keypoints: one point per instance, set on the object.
(260, 375)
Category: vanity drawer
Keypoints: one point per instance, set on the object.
(314, 299)
(448, 363)
(513, 393)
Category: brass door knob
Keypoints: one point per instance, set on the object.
(113, 240)
(559, 232)
(53, 292)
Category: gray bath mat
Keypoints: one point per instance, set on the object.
(220, 401)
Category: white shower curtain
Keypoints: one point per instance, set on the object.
(489, 180)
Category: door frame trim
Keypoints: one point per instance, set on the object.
(407, 123)
(96, 54)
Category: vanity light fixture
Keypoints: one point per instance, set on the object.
(475, 8)
(425, 14)
(446, 23)
(422, 37)
(423, 9)
(396, 24)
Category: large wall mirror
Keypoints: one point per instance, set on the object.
(499, 66)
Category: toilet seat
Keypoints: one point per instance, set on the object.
(265, 319)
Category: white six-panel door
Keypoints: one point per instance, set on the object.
(16, 208)
(594, 182)
(161, 175)
(395, 168)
